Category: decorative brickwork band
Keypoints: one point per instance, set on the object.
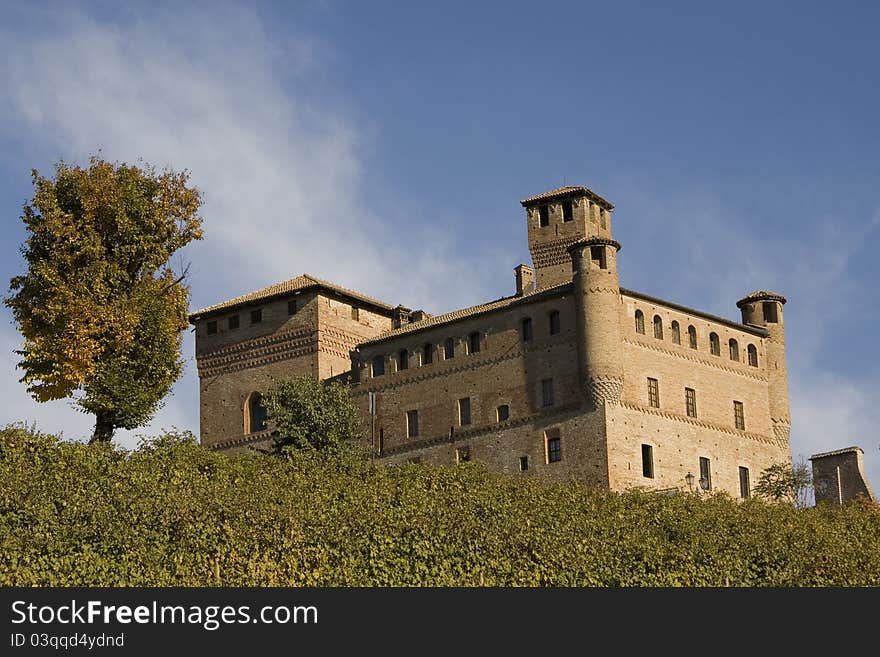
(605, 390)
(781, 431)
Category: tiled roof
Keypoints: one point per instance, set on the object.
(760, 295)
(302, 282)
(562, 192)
(845, 450)
(465, 313)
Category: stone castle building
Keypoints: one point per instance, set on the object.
(572, 376)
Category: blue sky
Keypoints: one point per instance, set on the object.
(738, 141)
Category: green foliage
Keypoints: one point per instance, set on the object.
(307, 414)
(100, 309)
(785, 482)
(174, 514)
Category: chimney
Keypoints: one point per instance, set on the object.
(418, 316)
(525, 279)
(400, 317)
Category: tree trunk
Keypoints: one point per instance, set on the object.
(103, 429)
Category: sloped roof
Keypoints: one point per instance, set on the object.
(465, 313)
(302, 282)
(562, 192)
(760, 295)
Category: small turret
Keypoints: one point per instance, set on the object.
(764, 309)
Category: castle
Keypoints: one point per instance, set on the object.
(572, 376)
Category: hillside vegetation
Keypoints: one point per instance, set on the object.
(173, 514)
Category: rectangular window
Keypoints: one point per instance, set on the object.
(690, 402)
(291, 307)
(544, 215)
(648, 461)
(503, 412)
(403, 360)
(474, 343)
(567, 211)
(705, 474)
(232, 322)
(597, 256)
(527, 329)
(355, 313)
(769, 309)
(412, 424)
(739, 418)
(449, 349)
(463, 454)
(428, 353)
(257, 316)
(745, 490)
(554, 322)
(653, 393)
(523, 463)
(378, 365)
(211, 327)
(553, 446)
(547, 392)
(464, 411)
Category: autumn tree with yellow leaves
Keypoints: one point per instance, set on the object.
(100, 308)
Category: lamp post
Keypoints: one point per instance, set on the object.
(689, 478)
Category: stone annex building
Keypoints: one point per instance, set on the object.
(572, 376)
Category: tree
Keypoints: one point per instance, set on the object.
(785, 481)
(307, 414)
(100, 309)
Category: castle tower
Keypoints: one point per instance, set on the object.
(556, 220)
(764, 309)
(597, 299)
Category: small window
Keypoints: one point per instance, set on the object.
(378, 365)
(640, 322)
(658, 327)
(463, 454)
(554, 322)
(602, 219)
(547, 392)
(232, 322)
(692, 337)
(503, 412)
(705, 474)
(714, 344)
(526, 329)
(653, 393)
(412, 424)
(567, 211)
(449, 349)
(690, 402)
(257, 414)
(597, 257)
(753, 355)
(257, 316)
(427, 354)
(544, 215)
(355, 313)
(211, 327)
(523, 463)
(464, 411)
(770, 316)
(553, 445)
(403, 360)
(745, 489)
(291, 307)
(648, 461)
(474, 342)
(676, 333)
(739, 418)
(734, 349)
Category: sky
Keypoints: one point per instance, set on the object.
(739, 143)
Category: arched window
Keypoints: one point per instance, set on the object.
(474, 342)
(753, 355)
(658, 327)
(640, 322)
(714, 344)
(378, 365)
(427, 354)
(676, 333)
(254, 413)
(449, 349)
(734, 349)
(403, 360)
(692, 337)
